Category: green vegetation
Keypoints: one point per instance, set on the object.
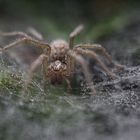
(10, 82)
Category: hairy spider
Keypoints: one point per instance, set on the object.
(59, 57)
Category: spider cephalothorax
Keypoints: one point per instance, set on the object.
(59, 57)
(59, 49)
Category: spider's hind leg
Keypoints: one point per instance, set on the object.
(35, 33)
(97, 60)
(24, 39)
(100, 50)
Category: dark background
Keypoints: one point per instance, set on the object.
(56, 19)
(64, 10)
(60, 17)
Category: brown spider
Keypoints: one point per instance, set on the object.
(59, 57)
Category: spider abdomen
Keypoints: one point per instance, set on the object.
(56, 72)
(56, 79)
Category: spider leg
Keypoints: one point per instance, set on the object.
(32, 69)
(25, 39)
(70, 66)
(73, 34)
(95, 57)
(45, 76)
(35, 33)
(101, 51)
(15, 33)
(68, 84)
(84, 66)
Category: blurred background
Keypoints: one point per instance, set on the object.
(56, 18)
(107, 22)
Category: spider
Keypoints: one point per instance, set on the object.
(59, 57)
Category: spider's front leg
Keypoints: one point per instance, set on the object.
(69, 72)
(32, 69)
(85, 69)
(45, 74)
(73, 34)
(69, 88)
